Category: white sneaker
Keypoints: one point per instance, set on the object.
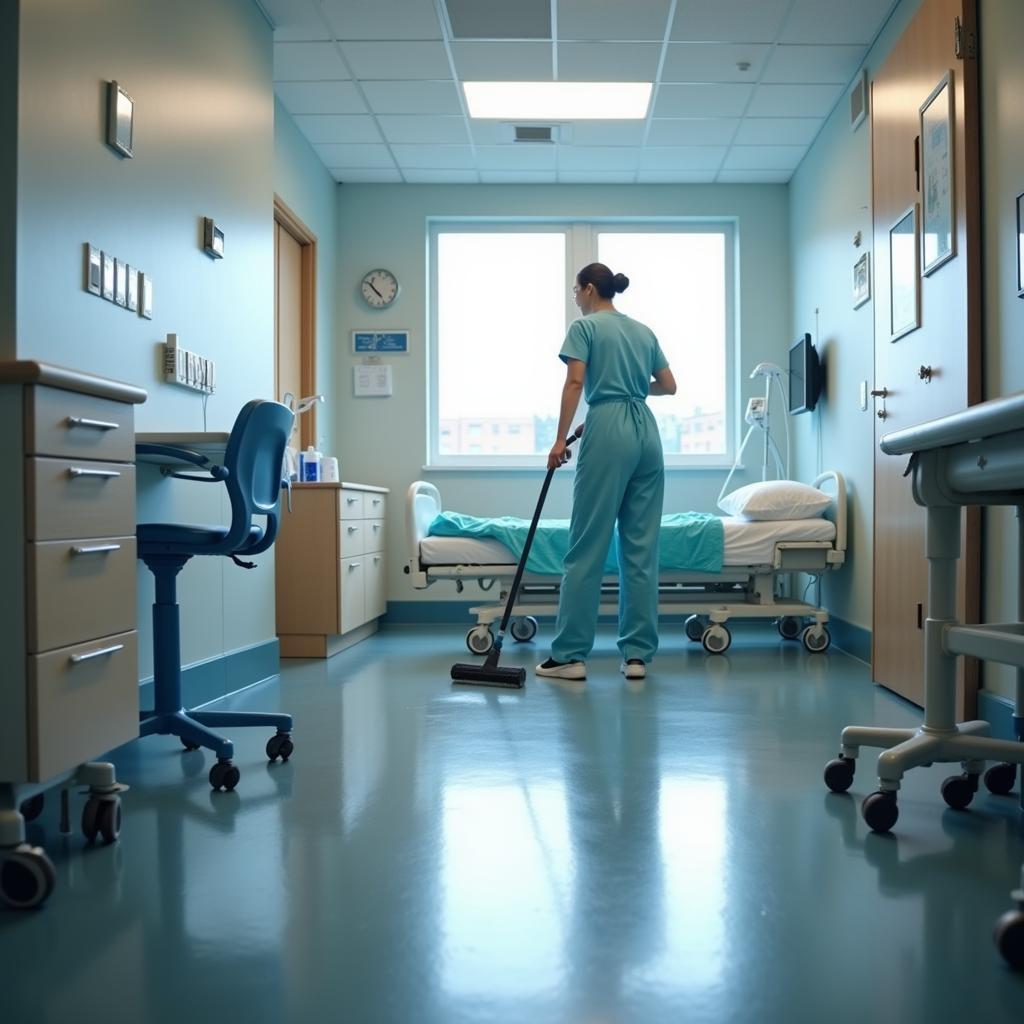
(633, 669)
(562, 669)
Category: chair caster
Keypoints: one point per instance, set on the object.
(839, 773)
(1009, 938)
(999, 779)
(189, 745)
(102, 816)
(958, 790)
(27, 877)
(224, 775)
(280, 746)
(879, 811)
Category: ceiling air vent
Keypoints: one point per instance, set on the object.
(533, 133)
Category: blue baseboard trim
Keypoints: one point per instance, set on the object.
(998, 712)
(853, 640)
(214, 678)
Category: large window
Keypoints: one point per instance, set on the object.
(502, 301)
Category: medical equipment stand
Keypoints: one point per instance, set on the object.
(975, 457)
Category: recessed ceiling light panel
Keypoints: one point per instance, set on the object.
(558, 101)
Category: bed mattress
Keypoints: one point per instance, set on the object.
(746, 543)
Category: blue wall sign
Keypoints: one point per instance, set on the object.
(380, 341)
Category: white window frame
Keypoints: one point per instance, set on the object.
(581, 248)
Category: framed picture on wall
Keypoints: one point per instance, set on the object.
(904, 278)
(938, 220)
(1020, 245)
(862, 280)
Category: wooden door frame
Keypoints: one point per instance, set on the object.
(290, 222)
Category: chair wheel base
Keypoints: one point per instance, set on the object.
(879, 811)
(280, 746)
(839, 774)
(224, 775)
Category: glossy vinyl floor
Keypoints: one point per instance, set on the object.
(590, 853)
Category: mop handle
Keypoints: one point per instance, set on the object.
(529, 538)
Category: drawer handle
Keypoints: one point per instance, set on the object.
(98, 550)
(81, 421)
(354, 565)
(376, 501)
(351, 501)
(353, 529)
(112, 649)
(79, 471)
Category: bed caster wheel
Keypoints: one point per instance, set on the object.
(879, 811)
(33, 807)
(524, 629)
(839, 774)
(694, 627)
(716, 639)
(816, 639)
(958, 790)
(479, 639)
(999, 779)
(102, 817)
(27, 877)
(789, 628)
(280, 746)
(224, 775)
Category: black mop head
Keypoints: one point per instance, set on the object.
(489, 675)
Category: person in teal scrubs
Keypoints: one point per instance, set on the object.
(616, 362)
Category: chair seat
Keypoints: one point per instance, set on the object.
(186, 538)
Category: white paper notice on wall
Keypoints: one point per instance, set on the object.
(372, 380)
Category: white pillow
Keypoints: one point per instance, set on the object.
(775, 499)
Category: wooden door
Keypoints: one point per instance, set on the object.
(947, 341)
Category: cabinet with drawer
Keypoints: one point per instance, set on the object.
(330, 567)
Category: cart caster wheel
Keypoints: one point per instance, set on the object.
(816, 639)
(224, 775)
(109, 819)
(91, 818)
(958, 790)
(879, 811)
(694, 627)
(999, 779)
(27, 877)
(479, 639)
(1009, 938)
(839, 774)
(524, 629)
(189, 745)
(789, 628)
(280, 746)
(716, 639)
(33, 807)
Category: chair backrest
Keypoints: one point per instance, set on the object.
(254, 460)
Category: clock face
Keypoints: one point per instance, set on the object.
(379, 288)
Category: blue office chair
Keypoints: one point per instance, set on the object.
(252, 475)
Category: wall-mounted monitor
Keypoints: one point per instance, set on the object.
(804, 376)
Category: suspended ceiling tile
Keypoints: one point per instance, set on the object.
(802, 64)
(397, 61)
(836, 21)
(412, 97)
(729, 21)
(613, 19)
(682, 158)
(320, 98)
(503, 62)
(765, 177)
(713, 62)
(383, 19)
(518, 156)
(597, 177)
(608, 62)
(701, 100)
(446, 157)
(295, 21)
(366, 175)
(794, 100)
(607, 133)
(663, 176)
(765, 158)
(434, 176)
(308, 62)
(781, 131)
(592, 158)
(338, 128)
(355, 155)
(418, 128)
(692, 131)
(517, 177)
(498, 19)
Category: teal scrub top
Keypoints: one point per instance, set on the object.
(621, 355)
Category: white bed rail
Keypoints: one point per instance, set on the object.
(836, 512)
(422, 506)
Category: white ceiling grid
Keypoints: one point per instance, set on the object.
(375, 85)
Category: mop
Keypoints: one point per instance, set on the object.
(490, 673)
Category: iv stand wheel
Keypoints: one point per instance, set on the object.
(999, 779)
(789, 627)
(879, 811)
(480, 639)
(958, 790)
(523, 629)
(694, 627)
(27, 877)
(839, 774)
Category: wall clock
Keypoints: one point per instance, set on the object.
(379, 288)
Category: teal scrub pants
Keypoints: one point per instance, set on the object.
(620, 476)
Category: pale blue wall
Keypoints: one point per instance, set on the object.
(384, 441)
(8, 172)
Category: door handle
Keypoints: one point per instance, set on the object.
(883, 394)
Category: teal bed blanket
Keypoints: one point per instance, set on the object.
(691, 541)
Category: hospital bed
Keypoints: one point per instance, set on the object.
(758, 556)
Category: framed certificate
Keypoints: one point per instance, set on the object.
(904, 279)
(938, 195)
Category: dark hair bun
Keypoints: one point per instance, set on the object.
(620, 282)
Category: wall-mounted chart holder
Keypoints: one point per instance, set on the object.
(187, 368)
